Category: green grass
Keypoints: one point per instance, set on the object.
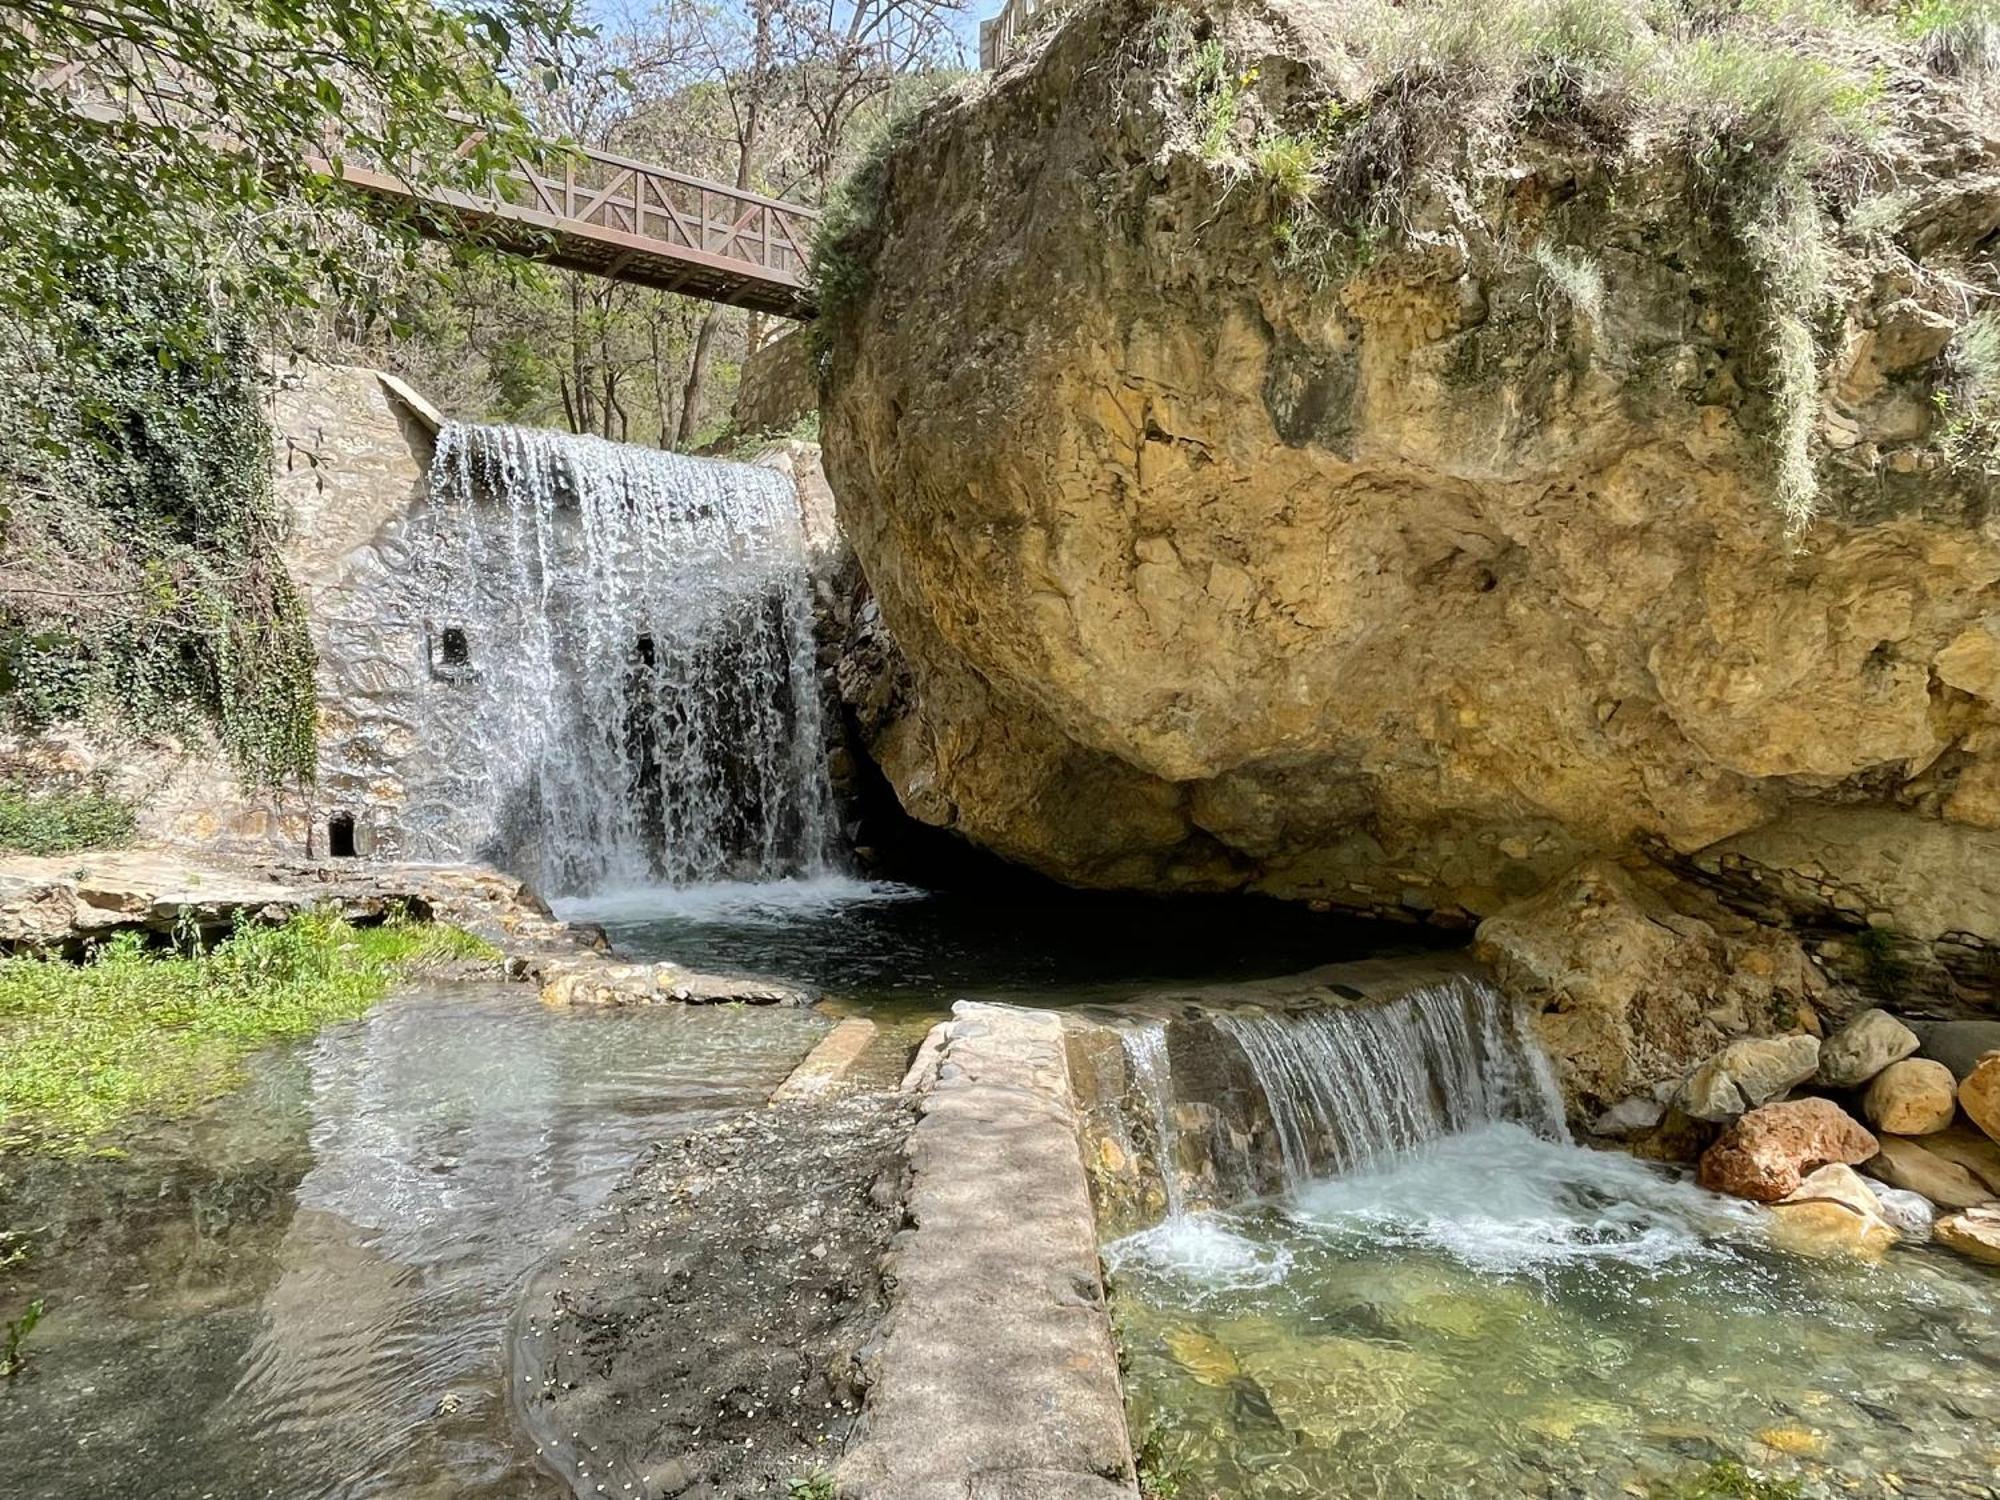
(87, 1048)
(45, 821)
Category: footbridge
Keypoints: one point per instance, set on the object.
(591, 211)
(569, 206)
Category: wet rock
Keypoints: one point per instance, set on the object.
(1912, 1214)
(1864, 1047)
(596, 981)
(1628, 1117)
(1979, 1095)
(1974, 1233)
(1748, 1073)
(1832, 1212)
(1959, 1045)
(1635, 978)
(1913, 1097)
(1909, 1164)
(1766, 1154)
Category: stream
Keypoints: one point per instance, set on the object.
(303, 1290)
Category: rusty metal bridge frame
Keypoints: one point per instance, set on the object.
(592, 211)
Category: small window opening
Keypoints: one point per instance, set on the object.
(453, 648)
(340, 835)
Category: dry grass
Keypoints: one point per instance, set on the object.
(1775, 106)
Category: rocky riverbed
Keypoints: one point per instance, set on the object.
(705, 1337)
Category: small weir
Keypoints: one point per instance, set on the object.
(625, 639)
(1351, 1087)
(1379, 1266)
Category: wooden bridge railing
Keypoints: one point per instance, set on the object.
(592, 211)
(999, 36)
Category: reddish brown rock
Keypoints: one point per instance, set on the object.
(1766, 1154)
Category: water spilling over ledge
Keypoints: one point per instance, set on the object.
(627, 639)
(1198, 1100)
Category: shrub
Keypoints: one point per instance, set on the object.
(58, 820)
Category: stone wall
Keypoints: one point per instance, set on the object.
(778, 387)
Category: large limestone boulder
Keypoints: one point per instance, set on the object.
(1766, 1154)
(1635, 978)
(1748, 1073)
(1864, 1047)
(1911, 1097)
(1405, 580)
(1979, 1095)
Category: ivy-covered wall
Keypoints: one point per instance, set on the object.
(140, 577)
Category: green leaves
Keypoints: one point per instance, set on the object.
(224, 100)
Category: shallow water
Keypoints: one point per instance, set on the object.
(895, 950)
(1503, 1315)
(304, 1290)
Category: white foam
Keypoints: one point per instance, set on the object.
(1203, 1250)
(1502, 1200)
(739, 902)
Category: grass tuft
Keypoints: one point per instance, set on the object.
(87, 1048)
(59, 820)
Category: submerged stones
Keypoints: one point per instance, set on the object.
(1765, 1155)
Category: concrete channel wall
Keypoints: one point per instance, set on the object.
(997, 1375)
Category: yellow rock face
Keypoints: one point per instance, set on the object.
(1913, 1097)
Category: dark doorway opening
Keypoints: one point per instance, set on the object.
(453, 648)
(340, 836)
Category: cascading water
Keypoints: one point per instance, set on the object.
(1348, 1088)
(624, 639)
(1290, 1097)
(1146, 1057)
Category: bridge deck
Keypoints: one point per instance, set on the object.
(632, 222)
(582, 209)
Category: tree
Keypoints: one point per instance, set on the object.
(177, 131)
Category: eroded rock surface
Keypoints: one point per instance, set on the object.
(1410, 592)
(1766, 1154)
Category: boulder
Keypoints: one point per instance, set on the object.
(1913, 1097)
(1634, 977)
(1909, 1164)
(1911, 1214)
(1979, 1095)
(1970, 1149)
(1832, 1212)
(1748, 1073)
(1766, 1154)
(1409, 589)
(1975, 1232)
(1864, 1047)
(1960, 1044)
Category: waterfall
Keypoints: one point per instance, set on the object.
(1146, 1058)
(1349, 1087)
(621, 647)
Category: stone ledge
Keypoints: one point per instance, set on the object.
(997, 1377)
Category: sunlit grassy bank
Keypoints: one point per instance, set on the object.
(84, 1048)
